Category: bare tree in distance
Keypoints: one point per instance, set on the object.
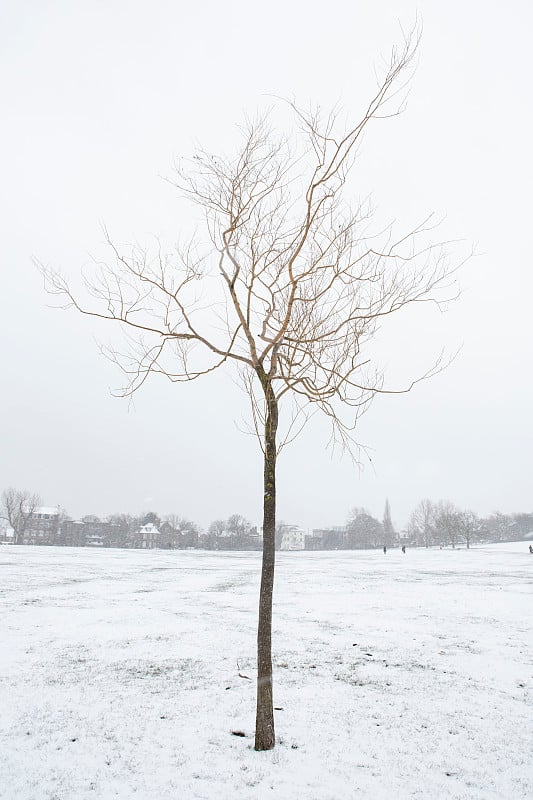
(237, 524)
(217, 528)
(186, 530)
(18, 507)
(126, 521)
(468, 526)
(447, 523)
(422, 522)
(292, 288)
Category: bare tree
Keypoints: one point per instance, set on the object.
(180, 524)
(292, 288)
(123, 526)
(447, 522)
(237, 525)
(499, 527)
(185, 533)
(217, 528)
(18, 508)
(126, 521)
(468, 526)
(422, 522)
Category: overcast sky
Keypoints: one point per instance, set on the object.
(100, 98)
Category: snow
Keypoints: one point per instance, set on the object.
(397, 676)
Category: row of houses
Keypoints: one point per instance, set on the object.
(47, 526)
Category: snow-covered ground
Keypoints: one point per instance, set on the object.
(396, 676)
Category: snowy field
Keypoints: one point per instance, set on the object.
(397, 676)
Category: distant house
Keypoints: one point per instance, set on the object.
(93, 533)
(292, 537)
(148, 536)
(73, 533)
(43, 526)
(326, 538)
(406, 538)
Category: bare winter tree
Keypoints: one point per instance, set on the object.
(185, 531)
(468, 526)
(180, 524)
(422, 522)
(217, 528)
(18, 507)
(447, 523)
(237, 525)
(292, 287)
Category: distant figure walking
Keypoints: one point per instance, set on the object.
(531, 548)
(384, 548)
(403, 548)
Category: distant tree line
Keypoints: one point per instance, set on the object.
(431, 524)
(444, 524)
(436, 524)
(234, 533)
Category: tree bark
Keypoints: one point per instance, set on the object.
(264, 725)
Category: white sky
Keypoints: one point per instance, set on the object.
(98, 100)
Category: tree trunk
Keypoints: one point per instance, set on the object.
(264, 725)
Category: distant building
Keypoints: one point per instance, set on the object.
(73, 533)
(292, 537)
(327, 538)
(43, 526)
(93, 533)
(106, 534)
(149, 536)
(406, 538)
